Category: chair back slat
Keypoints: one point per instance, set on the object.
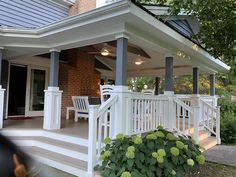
(105, 91)
(81, 103)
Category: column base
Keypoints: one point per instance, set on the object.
(1, 106)
(195, 100)
(52, 108)
(122, 117)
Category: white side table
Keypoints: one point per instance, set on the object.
(68, 109)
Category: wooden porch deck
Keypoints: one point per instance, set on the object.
(68, 127)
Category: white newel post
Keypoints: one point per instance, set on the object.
(92, 139)
(195, 104)
(122, 116)
(1, 106)
(171, 119)
(218, 125)
(52, 108)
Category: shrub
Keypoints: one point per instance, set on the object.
(157, 154)
(228, 128)
(228, 121)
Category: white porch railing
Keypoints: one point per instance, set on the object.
(135, 113)
(101, 121)
(210, 118)
(185, 98)
(147, 113)
(184, 116)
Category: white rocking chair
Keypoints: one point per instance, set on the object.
(80, 104)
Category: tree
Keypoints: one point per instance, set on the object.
(217, 20)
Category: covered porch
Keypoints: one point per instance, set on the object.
(130, 35)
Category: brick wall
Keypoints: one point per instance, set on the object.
(81, 6)
(79, 77)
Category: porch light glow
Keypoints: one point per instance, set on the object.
(104, 52)
(139, 61)
(195, 47)
(183, 55)
(179, 53)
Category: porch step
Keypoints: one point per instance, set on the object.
(203, 134)
(64, 152)
(61, 147)
(208, 143)
(59, 161)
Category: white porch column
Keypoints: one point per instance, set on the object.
(169, 92)
(1, 91)
(195, 104)
(122, 113)
(52, 100)
(121, 120)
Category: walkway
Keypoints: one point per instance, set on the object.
(222, 154)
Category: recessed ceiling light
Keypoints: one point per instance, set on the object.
(104, 52)
(139, 61)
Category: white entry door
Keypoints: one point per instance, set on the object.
(37, 82)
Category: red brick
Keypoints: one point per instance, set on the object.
(82, 6)
(79, 77)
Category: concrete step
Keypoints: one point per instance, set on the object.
(57, 146)
(208, 143)
(59, 161)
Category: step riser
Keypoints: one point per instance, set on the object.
(61, 166)
(203, 136)
(210, 145)
(43, 133)
(49, 147)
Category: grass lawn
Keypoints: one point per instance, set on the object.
(215, 170)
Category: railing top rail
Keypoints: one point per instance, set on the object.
(181, 103)
(149, 97)
(183, 96)
(209, 105)
(107, 104)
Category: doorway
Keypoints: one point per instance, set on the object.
(37, 82)
(17, 90)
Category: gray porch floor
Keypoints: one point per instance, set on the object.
(68, 127)
(53, 172)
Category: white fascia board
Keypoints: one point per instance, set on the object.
(96, 15)
(177, 39)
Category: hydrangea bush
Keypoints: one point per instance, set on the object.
(157, 154)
